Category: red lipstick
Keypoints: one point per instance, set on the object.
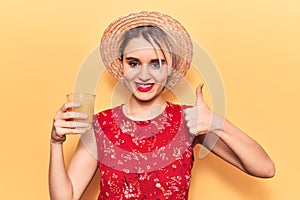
(144, 87)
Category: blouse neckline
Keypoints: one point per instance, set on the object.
(147, 121)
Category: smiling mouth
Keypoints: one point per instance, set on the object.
(144, 87)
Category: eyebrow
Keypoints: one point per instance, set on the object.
(151, 61)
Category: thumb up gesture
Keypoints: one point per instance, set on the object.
(200, 119)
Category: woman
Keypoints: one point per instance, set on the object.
(145, 146)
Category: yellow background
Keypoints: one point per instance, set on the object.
(254, 44)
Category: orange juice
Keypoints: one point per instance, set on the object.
(87, 102)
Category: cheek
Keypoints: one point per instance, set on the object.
(127, 80)
(129, 74)
(160, 76)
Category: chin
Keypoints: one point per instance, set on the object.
(144, 98)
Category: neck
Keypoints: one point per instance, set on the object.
(144, 110)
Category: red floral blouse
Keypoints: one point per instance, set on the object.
(149, 159)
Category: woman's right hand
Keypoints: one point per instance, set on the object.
(65, 122)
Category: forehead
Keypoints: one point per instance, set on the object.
(141, 47)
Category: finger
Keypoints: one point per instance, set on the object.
(199, 94)
(191, 113)
(191, 123)
(70, 124)
(73, 115)
(67, 106)
(65, 131)
(193, 130)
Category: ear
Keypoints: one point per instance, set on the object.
(169, 60)
(170, 70)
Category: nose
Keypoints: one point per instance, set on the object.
(144, 74)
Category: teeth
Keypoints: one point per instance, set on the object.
(144, 85)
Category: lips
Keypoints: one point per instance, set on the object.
(144, 87)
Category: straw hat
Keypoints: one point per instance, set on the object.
(113, 35)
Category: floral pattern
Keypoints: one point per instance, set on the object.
(149, 159)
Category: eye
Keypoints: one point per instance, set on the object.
(155, 65)
(133, 63)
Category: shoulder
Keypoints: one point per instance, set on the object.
(108, 112)
(104, 119)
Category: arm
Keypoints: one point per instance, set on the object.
(227, 141)
(68, 184)
(240, 150)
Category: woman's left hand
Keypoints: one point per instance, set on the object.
(200, 119)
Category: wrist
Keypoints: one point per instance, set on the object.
(56, 142)
(217, 124)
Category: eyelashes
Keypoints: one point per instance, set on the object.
(153, 64)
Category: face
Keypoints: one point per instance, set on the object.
(145, 69)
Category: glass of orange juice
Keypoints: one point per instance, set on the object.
(87, 103)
